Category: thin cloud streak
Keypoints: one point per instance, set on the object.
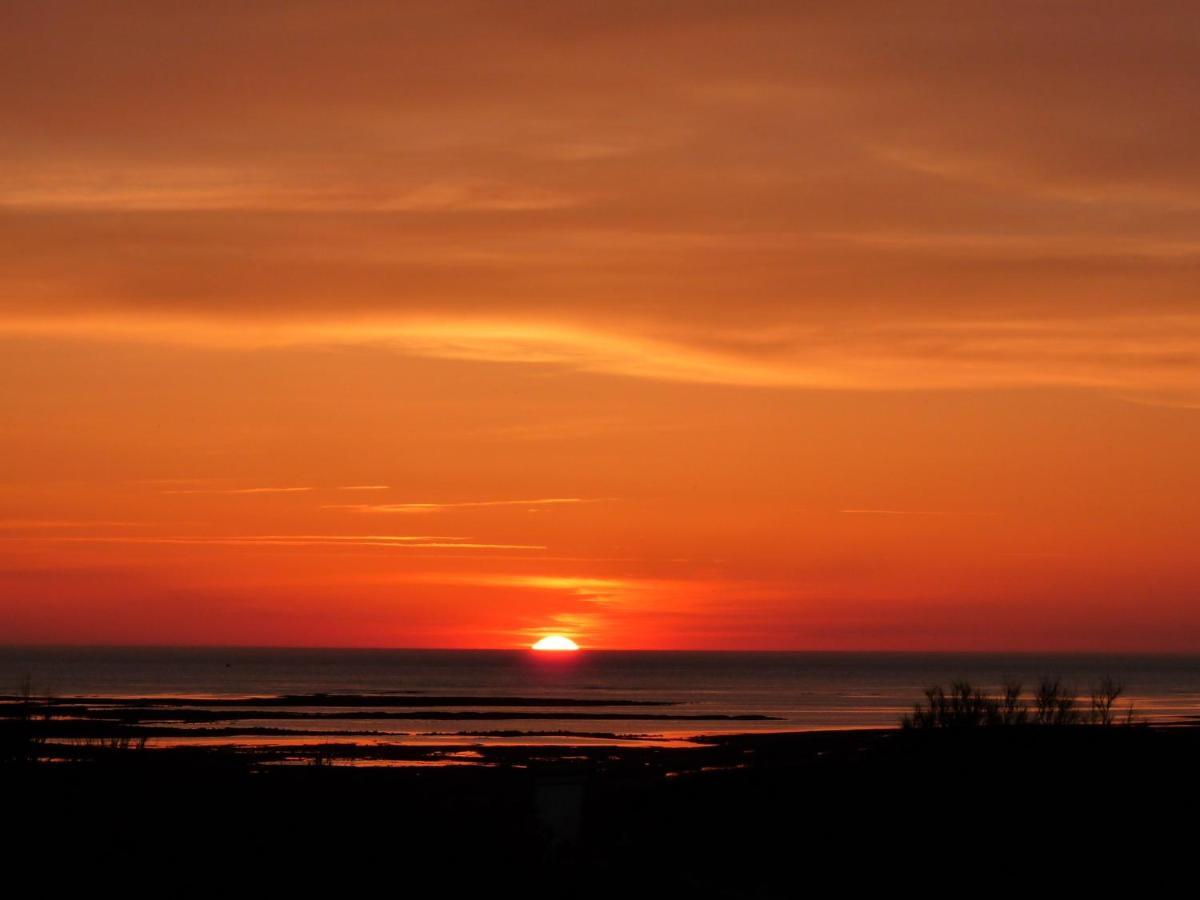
(253, 490)
(442, 507)
(1127, 353)
(592, 590)
(17, 524)
(909, 512)
(390, 541)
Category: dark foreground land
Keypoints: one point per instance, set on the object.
(938, 811)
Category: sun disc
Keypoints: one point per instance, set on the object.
(555, 642)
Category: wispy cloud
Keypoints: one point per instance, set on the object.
(165, 481)
(154, 188)
(1130, 354)
(443, 507)
(909, 512)
(18, 524)
(364, 487)
(250, 490)
(400, 542)
(1165, 401)
(595, 590)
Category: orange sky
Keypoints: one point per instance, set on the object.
(694, 324)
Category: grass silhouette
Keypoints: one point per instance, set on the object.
(21, 740)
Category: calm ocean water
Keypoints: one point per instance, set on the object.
(799, 691)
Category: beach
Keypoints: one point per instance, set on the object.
(570, 790)
(735, 816)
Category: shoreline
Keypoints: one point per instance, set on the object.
(602, 821)
(525, 749)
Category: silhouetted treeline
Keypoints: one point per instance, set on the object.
(963, 705)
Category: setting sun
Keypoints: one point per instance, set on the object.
(555, 642)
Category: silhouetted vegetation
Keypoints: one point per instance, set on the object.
(1104, 697)
(965, 706)
(29, 732)
(117, 743)
(21, 739)
(1055, 704)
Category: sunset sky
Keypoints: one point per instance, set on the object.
(658, 325)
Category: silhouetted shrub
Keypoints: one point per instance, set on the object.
(1104, 697)
(1055, 704)
(107, 746)
(965, 706)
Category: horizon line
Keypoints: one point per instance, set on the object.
(586, 649)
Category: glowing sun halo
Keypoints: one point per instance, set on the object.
(555, 642)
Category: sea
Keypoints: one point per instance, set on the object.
(248, 696)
